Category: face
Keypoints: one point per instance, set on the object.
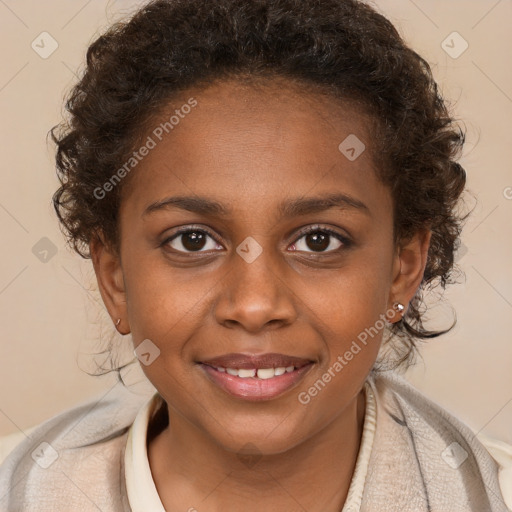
(251, 242)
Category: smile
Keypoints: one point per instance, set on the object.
(259, 373)
(256, 377)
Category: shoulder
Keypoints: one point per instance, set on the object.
(438, 456)
(72, 460)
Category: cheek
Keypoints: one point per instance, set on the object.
(352, 299)
(351, 320)
(162, 302)
(349, 309)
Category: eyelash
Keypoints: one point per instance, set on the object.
(303, 232)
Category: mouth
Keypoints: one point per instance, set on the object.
(256, 377)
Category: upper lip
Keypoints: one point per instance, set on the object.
(248, 361)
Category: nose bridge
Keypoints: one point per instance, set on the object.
(253, 293)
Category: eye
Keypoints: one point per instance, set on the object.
(320, 240)
(317, 239)
(191, 239)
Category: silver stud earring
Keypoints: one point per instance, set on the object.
(399, 307)
(118, 322)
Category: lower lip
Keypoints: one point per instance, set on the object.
(252, 388)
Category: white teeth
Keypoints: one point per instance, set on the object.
(260, 373)
(265, 373)
(247, 373)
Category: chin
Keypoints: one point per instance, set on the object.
(260, 439)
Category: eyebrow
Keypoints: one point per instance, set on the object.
(288, 208)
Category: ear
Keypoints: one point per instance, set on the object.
(408, 268)
(109, 273)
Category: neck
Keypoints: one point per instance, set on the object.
(191, 470)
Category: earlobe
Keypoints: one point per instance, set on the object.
(109, 274)
(408, 270)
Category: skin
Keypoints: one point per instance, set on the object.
(250, 149)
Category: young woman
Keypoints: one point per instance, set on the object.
(265, 190)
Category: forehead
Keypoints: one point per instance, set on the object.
(256, 141)
(260, 111)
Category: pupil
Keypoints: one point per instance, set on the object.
(193, 240)
(319, 241)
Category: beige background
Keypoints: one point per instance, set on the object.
(50, 312)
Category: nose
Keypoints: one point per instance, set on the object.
(255, 296)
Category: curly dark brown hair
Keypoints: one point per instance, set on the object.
(343, 47)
